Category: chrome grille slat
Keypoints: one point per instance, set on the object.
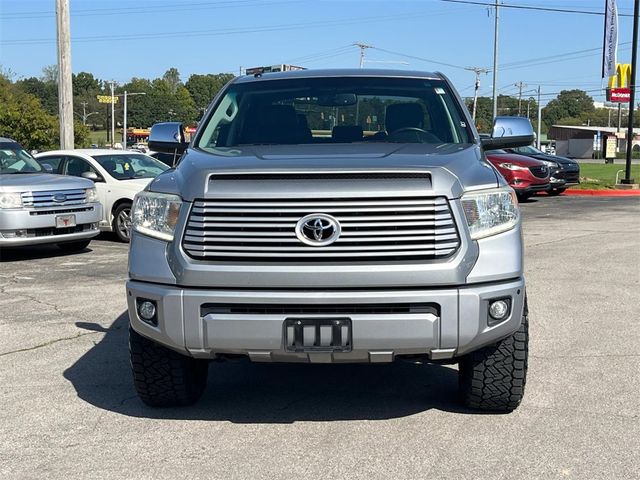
(45, 198)
(376, 229)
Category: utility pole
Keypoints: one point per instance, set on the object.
(65, 85)
(112, 83)
(477, 71)
(362, 48)
(538, 144)
(632, 98)
(520, 85)
(495, 62)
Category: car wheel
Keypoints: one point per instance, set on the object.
(522, 196)
(162, 377)
(122, 222)
(493, 378)
(556, 191)
(74, 246)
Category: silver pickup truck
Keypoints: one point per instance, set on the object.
(329, 217)
(37, 207)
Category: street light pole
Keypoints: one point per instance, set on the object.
(495, 62)
(113, 117)
(538, 144)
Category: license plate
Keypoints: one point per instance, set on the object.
(64, 221)
(317, 334)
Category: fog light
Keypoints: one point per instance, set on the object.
(499, 309)
(147, 310)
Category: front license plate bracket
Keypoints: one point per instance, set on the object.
(318, 334)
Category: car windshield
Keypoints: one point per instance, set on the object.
(14, 159)
(335, 110)
(125, 166)
(528, 150)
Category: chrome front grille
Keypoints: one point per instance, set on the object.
(55, 198)
(402, 228)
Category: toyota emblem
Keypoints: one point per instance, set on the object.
(318, 230)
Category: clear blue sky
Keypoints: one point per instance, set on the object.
(122, 39)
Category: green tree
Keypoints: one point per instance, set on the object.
(172, 79)
(204, 87)
(569, 104)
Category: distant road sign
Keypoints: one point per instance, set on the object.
(106, 99)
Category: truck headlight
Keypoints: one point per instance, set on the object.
(490, 212)
(91, 195)
(512, 166)
(10, 200)
(155, 214)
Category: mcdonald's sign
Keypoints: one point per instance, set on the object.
(618, 90)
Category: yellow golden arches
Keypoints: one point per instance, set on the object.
(622, 76)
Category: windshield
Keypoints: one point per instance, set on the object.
(335, 110)
(14, 159)
(528, 150)
(126, 166)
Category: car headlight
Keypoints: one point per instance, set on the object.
(550, 164)
(155, 214)
(512, 166)
(91, 195)
(10, 200)
(490, 212)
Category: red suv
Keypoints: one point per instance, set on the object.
(525, 175)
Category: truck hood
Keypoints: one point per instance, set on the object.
(452, 169)
(37, 182)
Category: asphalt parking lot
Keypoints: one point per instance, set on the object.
(68, 408)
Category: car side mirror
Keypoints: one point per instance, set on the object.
(509, 132)
(47, 168)
(93, 176)
(168, 137)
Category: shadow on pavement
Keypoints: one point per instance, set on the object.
(18, 254)
(243, 392)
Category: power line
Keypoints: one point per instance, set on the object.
(533, 7)
(224, 31)
(422, 59)
(132, 10)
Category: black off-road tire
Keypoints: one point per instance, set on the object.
(74, 246)
(493, 378)
(162, 377)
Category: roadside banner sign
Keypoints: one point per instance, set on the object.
(610, 47)
(610, 147)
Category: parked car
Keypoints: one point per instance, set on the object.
(118, 176)
(564, 172)
(37, 207)
(526, 176)
(276, 243)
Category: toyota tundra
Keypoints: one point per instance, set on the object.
(330, 216)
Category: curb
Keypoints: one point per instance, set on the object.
(602, 193)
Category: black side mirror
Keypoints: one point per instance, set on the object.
(509, 132)
(168, 137)
(47, 168)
